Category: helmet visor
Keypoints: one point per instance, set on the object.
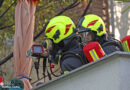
(82, 29)
(86, 37)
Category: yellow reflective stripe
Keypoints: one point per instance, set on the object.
(94, 54)
(125, 46)
(66, 72)
(59, 60)
(126, 43)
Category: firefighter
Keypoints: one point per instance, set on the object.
(65, 48)
(94, 30)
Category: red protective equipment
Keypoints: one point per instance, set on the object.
(126, 43)
(93, 51)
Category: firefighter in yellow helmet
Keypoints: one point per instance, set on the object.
(66, 49)
(93, 29)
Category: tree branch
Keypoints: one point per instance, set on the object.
(35, 37)
(7, 9)
(86, 9)
(6, 59)
(1, 2)
(6, 26)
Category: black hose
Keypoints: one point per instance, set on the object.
(52, 71)
(49, 75)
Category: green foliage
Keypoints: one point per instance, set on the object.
(45, 10)
(6, 20)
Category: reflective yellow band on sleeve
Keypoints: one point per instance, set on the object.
(95, 54)
(125, 46)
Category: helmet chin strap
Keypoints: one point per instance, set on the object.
(95, 37)
(100, 39)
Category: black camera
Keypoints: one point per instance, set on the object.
(35, 51)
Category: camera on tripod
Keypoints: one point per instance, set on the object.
(35, 51)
